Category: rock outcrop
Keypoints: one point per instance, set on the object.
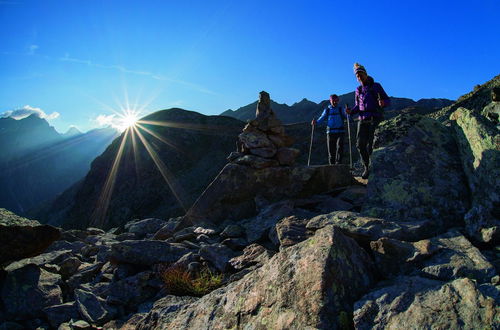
(417, 303)
(417, 174)
(328, 271)
(232, 195)
(479, 142)
(22, 238)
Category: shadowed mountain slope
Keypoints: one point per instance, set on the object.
(185, 148)
(38, 163)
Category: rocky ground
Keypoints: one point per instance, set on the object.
(415, 246)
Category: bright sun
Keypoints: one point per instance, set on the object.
(129, 119)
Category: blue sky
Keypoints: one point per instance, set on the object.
(84, 59)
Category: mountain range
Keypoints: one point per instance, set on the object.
(305, 110)
(37, 163)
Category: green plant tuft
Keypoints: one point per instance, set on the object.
(178, 281)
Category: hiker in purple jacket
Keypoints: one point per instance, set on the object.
(370, 99)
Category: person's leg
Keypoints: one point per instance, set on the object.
(371, 135)
(362, 141)
(339, 144)
(330, 144)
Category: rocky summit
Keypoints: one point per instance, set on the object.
(269, 244)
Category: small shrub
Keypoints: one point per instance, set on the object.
(179, 282)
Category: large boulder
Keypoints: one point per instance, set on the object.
(29, 289)
(479, 142)
(417, 174)
(366, 229)
(418, 303)
(232, 193)
(312, 284)
(21, 238)
(445, 257)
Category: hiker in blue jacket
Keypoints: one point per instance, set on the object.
(334, 116)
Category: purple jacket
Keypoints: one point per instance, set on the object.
(366, 100)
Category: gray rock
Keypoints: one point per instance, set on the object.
(146, 252)
(253, 254)
(218, 255)
(162, 311)
(23, 238)
(146, 226)
(80, 325)
(236, 244)
(254, 139)
(233, 191)
(62, 313)
(46, 258)
(291, 230)
(74, 247)
(167, 230)
(186, 260)
(27, 290)
(85, 274)
(95, 231)
(234, 155)
(256, 162)
(423, 303)
(312, 284)
(354, 195)
(184, 234)
(267, 152)
(287, 156)
(204, 231)
(365, 229)
(457, 257)
(92, 308)
(126, 237)
(418, 175)
(233, 231)
(446, 257)
(74, 235)
(132, 290)
(266, 220)
(479, 143)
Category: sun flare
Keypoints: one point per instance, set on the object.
(128, 119)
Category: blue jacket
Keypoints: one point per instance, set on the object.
(335, 119)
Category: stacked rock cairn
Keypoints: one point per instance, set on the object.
(263, 142)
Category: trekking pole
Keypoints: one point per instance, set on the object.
(349, 133)
(311, 145)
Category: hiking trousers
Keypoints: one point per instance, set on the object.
(364, 138)
(335, 144)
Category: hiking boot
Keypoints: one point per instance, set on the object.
(366, 173)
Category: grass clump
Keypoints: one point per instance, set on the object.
(178, 281)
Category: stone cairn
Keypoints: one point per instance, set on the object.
(263, 142)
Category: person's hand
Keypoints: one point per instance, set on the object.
(381, 103)
(347, 110)
(313, 122)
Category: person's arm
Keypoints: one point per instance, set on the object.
(383, 98)
(322, 117)
(355, 109)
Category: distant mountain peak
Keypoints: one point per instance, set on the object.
(72, 131)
